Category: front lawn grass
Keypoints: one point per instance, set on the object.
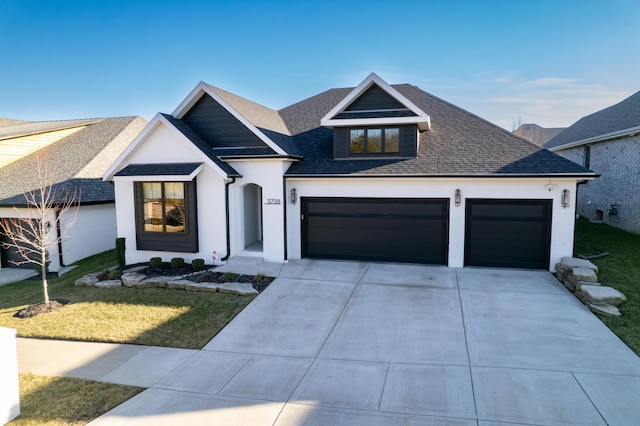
(66, 401)
(620, 270)
(157, 317)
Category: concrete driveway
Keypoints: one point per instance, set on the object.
(353, 343)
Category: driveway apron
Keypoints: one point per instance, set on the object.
(354, 343)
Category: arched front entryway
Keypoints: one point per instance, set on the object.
(252, 197)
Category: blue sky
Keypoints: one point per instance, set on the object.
(544, 62)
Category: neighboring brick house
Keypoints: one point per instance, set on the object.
(78, 153)
(607, 142)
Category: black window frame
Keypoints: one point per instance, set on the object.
(587, 156)
(383, 151)
(185, 242)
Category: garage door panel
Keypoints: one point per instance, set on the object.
(382, 229)
(508, 233)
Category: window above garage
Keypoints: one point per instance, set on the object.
(374, 141)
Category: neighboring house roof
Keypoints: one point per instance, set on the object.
(5, 121)
(619, 120)
(537, 134)
(75, 162)
(36, 127)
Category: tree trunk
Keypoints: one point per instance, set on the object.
(43, 272)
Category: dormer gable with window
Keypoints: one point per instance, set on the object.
(374, 120)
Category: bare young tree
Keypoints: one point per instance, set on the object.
(36, 226)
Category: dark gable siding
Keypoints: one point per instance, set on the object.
(340, 142)
(218, 127)
(409, 141)
(374, 98)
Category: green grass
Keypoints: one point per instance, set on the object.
(66, 401)
(157, 317)
(620, 270)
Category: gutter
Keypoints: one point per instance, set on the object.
(226, 202)
(631, 131)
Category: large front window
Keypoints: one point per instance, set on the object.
(166, 216)
(374, 141)
(164, 207)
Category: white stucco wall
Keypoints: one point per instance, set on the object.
(93, 232)
(562, 221)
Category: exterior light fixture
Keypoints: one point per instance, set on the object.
(293, 195)
(458, 198)
(565, 198)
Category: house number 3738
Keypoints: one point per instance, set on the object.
(273, 201)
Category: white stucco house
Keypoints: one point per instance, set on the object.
(76, 154)
(376, 172)
(607, 142)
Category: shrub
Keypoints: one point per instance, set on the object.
(120, 255)
(228, 277)
(177, 262)
(197, 264)
(155, 262)
(259, 278)
(110, 274)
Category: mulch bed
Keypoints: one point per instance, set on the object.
(40, 308)
(259, 284)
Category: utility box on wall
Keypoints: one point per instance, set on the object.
(9, 389)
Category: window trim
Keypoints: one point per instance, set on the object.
(186, 241)
(383, 142)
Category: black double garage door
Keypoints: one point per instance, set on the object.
(501, 233)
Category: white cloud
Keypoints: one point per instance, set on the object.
(548, 101)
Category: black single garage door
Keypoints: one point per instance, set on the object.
(382, 229)
(508, 233)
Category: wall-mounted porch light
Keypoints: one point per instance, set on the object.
(293, 195)
(458, 198)
(565, 198)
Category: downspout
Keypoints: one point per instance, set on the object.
(226, 202)
(59, 238)
(285, 203)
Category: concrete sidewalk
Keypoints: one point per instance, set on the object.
(358, 343)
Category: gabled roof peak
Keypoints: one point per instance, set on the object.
(415, 115)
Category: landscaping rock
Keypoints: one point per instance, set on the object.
(581, 283)
(130, 279)
(156, 282)
(89, 280)
(178, 284)
(573, 263)
(568, 284)
(108, 284)
(600, 295)
(582, 274)
(212, 287)
(242, 289)
(204, 286)
(606, 310)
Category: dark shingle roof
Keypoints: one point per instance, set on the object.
(458, 144)
(159, 169)
(621, 116)
(75, 162)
